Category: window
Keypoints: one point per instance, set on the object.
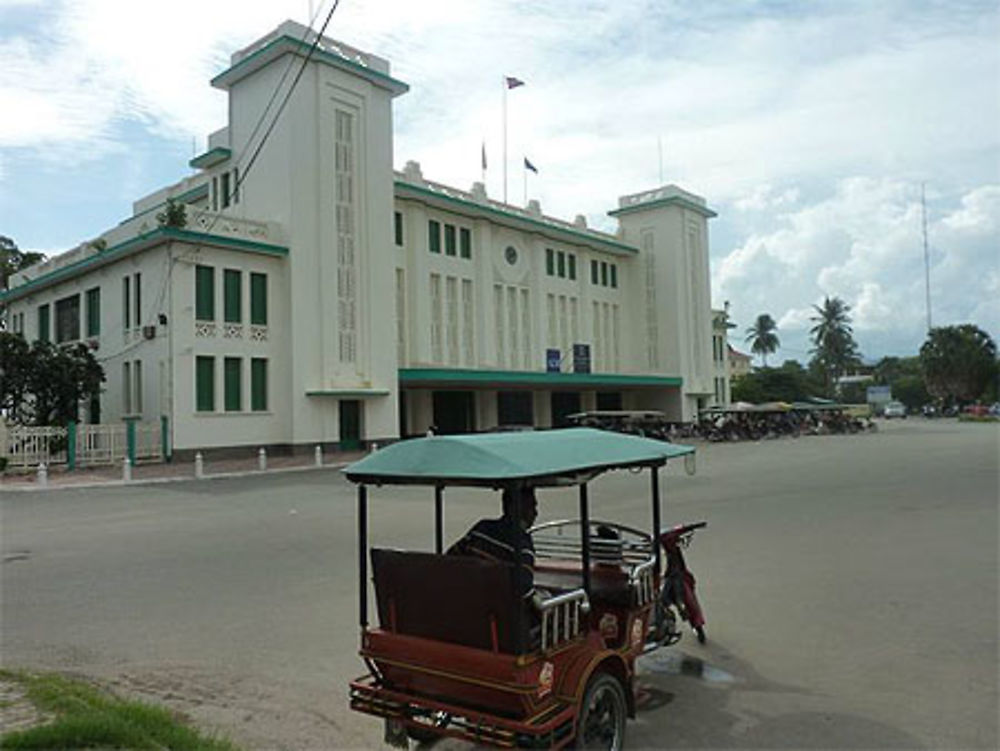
(94, 311)
(137, 387)
(68, 319)
(232, 370)
(434, 236)
(604, 273)
(258, 299)
(236, 184)
(204, 293)
(449, 239)
(593, 272)
(561, 264)
(215, 194)
(126, 388)
(399, 228)
(137, 294)
(224, 183)
(126, 303)
(43, 323)
(465, 242)
(232, 297)
(258, 384)
(204, 384)
(550, 262)
(571, 260)
(614, 275)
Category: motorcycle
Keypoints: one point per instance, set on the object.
(677, 596)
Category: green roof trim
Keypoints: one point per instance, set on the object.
(348, 393)
(684, 203)
(460, 376)
(211, 158)
(554, 231)
(245, 66)
(544, 457)
(136, 244)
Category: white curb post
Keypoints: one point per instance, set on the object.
(262, 459)
(43, 475)
(318, 454)
(199, 466)
(126, 470)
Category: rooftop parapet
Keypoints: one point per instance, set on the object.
(662, 196)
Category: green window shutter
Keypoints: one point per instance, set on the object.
(561, 264)
(94, 311)
(449, 239)
(232, 296)
(204, 384)
(204, 293)
(465, 242)
(43, 323)
(258, 384)
(593, 272)
(258, 299)
(434, 236)
(233, 379)
(399, 228)
(572, 265)
(550, 262)
(126, 305)
(614, 275)
(604, 273)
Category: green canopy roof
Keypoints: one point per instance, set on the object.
(541, 458)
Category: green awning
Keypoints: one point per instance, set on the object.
(546, 457)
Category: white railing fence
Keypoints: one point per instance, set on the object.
(27, 446)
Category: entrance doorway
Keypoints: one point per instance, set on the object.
(350, 424)
(454, 412)
(564, 403)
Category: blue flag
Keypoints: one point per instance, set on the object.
(529, 165)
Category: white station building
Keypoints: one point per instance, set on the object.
(324, 298)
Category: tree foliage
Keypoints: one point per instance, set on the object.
(13, 259)
(906, 379)
(762, 336)
(959, 362)
(43, 384)
(789, 383)
(834, 349)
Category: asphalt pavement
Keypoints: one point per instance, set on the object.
(850, 585)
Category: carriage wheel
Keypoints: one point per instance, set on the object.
(602, 715)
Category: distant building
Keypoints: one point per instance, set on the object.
(720, 359)
(322, 297)
(739, 363)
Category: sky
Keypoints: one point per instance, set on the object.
(811, 128)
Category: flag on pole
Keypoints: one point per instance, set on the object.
(513, 83)
(484, 155)
(529, 165)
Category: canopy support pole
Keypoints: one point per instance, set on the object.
(439, 518)
(654, 473)
(363, 556)
(585, 537)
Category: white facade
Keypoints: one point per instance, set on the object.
(390, 303)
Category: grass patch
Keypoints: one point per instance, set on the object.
(87, 717)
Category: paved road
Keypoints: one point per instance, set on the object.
(850, 585)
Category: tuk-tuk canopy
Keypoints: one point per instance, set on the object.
(548, 457)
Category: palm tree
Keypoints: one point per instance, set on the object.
(762, 337)
(834, 349)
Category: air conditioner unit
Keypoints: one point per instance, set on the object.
(149, 332)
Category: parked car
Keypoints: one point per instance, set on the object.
(977, 410)
(995, 409)
(894, 409)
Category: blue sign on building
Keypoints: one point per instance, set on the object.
(553, 361)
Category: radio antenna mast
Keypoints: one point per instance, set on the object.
(927, 257)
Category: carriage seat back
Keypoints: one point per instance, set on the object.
(448, 598)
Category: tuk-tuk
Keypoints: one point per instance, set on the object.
(456, 654)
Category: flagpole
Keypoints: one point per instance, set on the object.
(525, 168)
(503, 85)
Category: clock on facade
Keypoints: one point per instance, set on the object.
(510, 254)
